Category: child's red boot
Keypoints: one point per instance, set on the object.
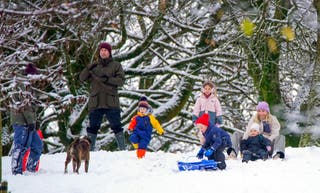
(141, 153)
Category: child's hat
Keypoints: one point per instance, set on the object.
(255, 126)
(263, 106)
(203, 119)
(143, 102)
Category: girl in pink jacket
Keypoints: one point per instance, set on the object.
(208, 102)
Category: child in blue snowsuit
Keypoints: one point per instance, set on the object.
(141, 126)
(256, 146)
(23, 120)
(216, 140)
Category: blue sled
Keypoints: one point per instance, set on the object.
(201, 165)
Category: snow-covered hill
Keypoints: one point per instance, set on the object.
(112, 172)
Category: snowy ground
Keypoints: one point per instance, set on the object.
(112, 172)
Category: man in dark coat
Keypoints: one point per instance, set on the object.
(105, 77)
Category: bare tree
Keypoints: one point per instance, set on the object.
(167, 48)
(311, 106)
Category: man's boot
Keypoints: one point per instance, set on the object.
(92, 138)
(120, 141)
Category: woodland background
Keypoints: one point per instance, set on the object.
(252, 50)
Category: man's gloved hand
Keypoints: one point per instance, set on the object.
(209, 152)
(100, 79)
(91, 66)
(200, 153)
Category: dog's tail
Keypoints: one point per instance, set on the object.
(75, 143)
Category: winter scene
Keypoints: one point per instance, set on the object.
(159, 96)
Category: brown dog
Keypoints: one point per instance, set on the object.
(78, 150)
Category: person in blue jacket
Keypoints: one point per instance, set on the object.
(215, 141)
(256, 146)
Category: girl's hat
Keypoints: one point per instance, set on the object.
(263, 106)
(255, 126)
(203, 119)
(143, 102)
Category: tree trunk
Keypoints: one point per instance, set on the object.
(312, 106)
(264, 67)
(0, 143)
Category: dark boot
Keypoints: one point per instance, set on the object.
(92, 138)
(231, 153)
(278, 155)
(120, 141)
(247, 156)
